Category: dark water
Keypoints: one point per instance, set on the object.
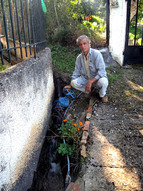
(48, 176)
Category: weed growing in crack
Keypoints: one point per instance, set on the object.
(113, 75)
(4, 67)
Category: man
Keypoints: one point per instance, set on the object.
(89, 70)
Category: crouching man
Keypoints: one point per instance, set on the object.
(89, 70)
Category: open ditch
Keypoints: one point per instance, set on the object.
(54, 172)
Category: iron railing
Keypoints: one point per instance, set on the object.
(22, 29)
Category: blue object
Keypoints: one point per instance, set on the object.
(69, 92)
(43, 6)
(61, 103)
(64, 101)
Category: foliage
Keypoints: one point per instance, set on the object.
(63, 35)
(140, 14)
(72, 16)
(112, 75)
(70, 132)
(138, 34)
(63, 57)
(3, 67)
(139, 19)
(97, 25)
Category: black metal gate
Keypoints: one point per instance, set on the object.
(133, 53)
(22, 29)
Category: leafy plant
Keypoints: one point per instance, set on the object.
(70, 132)
(68, 19)
(132, 33)
(64, 57)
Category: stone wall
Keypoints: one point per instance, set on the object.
(26, 92)
(118, 31)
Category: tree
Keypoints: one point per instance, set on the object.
(67, 19)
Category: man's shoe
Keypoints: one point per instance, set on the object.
(104, 99)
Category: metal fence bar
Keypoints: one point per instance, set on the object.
(29, 36)
(1, 52)
(142, 37)
(107, 21)
(33, 34)
(28, 28)
(17, 17)
(23, 25)
(136, 23)
(5, 27)
(23, 46)
(11, 18)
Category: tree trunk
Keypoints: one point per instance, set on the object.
(13, 19)
(21, 28)
(133, 8)
(57, 19)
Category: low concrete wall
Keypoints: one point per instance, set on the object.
(26, 92)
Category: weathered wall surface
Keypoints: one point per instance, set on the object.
(118, 31)
(26, 92)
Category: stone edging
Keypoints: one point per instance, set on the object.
(85, 134)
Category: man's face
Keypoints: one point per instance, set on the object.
(84, 46)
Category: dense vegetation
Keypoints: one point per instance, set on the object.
(67, 19)
(139, 19)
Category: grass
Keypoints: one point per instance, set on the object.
(3, 67)
(112, 75)
(64, 57)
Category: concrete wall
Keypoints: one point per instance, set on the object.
(26, 92)
(118, 31)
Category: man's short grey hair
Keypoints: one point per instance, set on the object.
(80, 38)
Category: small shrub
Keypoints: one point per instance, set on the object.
(63, 35)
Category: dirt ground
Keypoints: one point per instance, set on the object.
(115, 154)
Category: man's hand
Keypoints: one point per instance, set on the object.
(89, 85)
(68, 87)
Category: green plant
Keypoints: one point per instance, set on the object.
(67, 19)
(3, 67)
(63, 35)
(64, 57)
(84, 160)
(132, 33)
(112, 75)
(70, 132)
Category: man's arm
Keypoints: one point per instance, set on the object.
(77, 69)
(76, 72)
(100, 66)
